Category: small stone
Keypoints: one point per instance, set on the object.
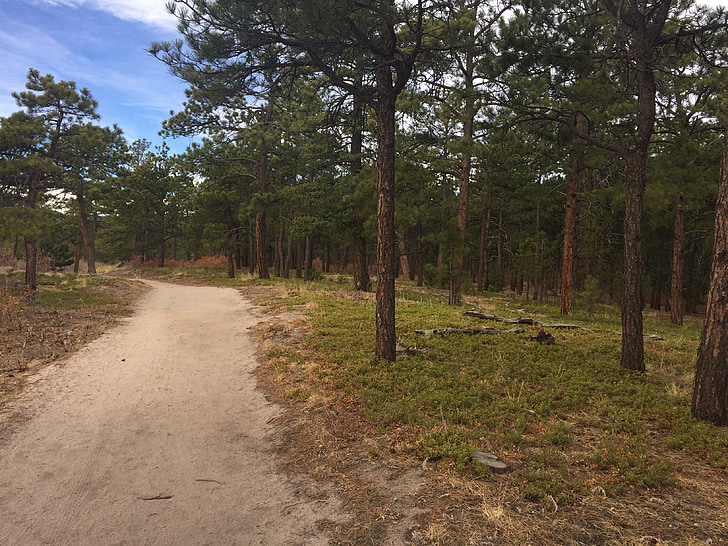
(492, 461)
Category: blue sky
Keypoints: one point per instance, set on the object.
(99, 44)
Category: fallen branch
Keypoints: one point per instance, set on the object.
(523, 320)
(469, 331)
(208, 480)
(408, 349)
(478, 314)
(156, 497)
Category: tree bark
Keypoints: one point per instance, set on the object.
(289, 250)
(455, 296)
(260, 220)
(231, 238)
(362, 282)
(308, 259)
(31, 245)
(710, 393)
(31, 266)
(403, 259)
(572, 191)
(251, 246)
(483, 251)
(160, 248)
(444, 193)
(386, 341)
(299, 258)
(420, 256)
(676, 305)
(632, 301)
(86, 233)
(647, 29)
(500, 241)
(278, 261)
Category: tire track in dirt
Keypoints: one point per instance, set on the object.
(154, 434)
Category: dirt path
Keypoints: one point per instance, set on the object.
(153, 434)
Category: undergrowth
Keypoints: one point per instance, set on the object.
(566, 417)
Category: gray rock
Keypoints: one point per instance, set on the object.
(492, 461)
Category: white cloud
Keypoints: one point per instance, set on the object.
(150, 12)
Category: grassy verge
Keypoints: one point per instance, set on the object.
(566, 417)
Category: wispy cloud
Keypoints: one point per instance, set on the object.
(99, 44)
(151, 12)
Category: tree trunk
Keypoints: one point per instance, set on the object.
(445, 192)
(260, 224)
(500, 241)
(676, 305)
(231, 238)
(483, 250)
(160, 248)
(710, 394)
(362, 282)
(31, 266)
(420, 256)
(572, 191)
(31, 246)
(455, 296)
(289, 256)
(385, 339)
(251, 246)
(657, 286)
(307, 260)
(77, 259)
(86, 233)
(327, 262)
(644, 41)
(278, 262)
(403, 260)
(632, 301)
(299, 259)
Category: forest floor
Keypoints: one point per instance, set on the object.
(335, 459)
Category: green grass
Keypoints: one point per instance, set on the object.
(68, 292)
(79, 299)
(566, 416)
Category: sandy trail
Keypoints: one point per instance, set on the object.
(153, 434)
